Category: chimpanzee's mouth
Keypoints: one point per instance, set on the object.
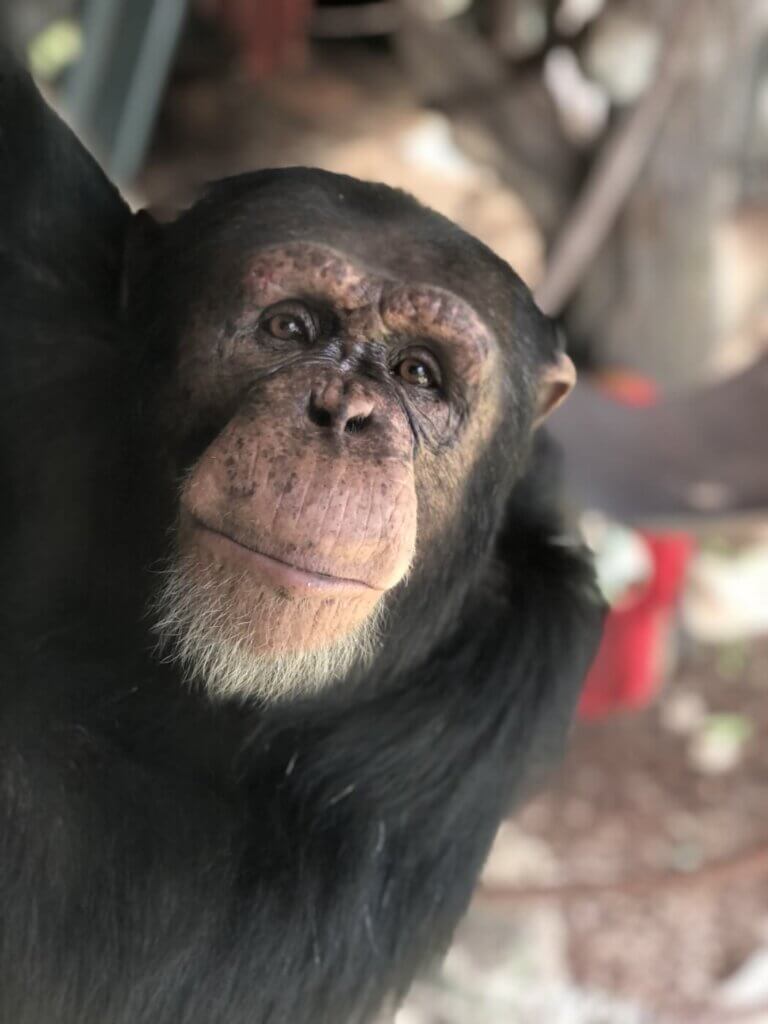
(280, 573)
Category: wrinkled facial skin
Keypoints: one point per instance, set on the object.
(342, 409)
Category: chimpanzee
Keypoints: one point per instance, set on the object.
(290, 618)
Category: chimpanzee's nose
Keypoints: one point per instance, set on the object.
(342, 406)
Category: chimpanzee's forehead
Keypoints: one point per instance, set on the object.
(374, 224)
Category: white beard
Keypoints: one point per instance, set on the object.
(221, 641)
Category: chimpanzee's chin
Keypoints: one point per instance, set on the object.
(239, 638)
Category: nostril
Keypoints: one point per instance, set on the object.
(317, 415)
(321, 417)
(356, 424)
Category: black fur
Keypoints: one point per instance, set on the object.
(164, 859)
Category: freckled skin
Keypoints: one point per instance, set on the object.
(361, 506)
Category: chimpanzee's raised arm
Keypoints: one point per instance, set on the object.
(61, 220)
(61, 241)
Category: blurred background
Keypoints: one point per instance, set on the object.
(615, 152)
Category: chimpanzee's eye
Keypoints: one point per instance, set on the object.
(288, 325)
(419, 371)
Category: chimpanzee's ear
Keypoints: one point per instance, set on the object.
(142, 242)
(556, 380)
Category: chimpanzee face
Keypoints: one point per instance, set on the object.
(343, 408)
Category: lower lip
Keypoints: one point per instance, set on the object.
(280, 574)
